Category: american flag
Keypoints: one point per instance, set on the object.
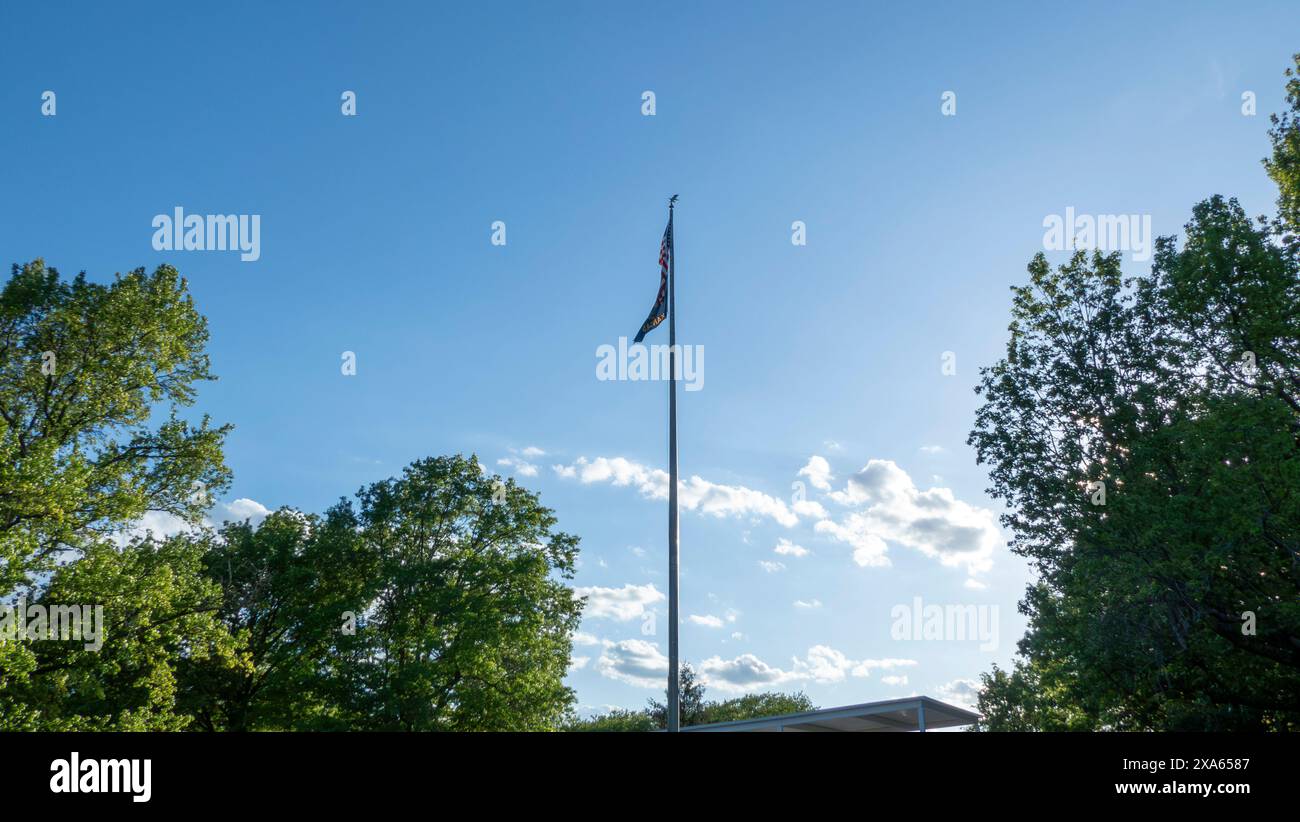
(659, 312)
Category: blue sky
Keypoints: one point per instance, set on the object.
(375, 238)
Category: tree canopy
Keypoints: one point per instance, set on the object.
(1146, 435)
(695, 709)
(437, 600)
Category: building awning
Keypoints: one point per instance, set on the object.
(916, 713)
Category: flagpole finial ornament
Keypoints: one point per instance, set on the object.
(672, 201)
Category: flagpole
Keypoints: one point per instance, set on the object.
(674, 697)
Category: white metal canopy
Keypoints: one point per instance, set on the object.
(914, 713)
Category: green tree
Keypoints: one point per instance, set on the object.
(1284, 165)
(755, 706)
(290, 587)
(158, 612)
(470, 625)
(84, 368)
(92, 379)
(696, 710)
(1031, 698)
(690, 694)
(618, 720)
(1145, 435)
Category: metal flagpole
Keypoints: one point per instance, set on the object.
(674, 697)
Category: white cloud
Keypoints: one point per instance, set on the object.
(521, 467)
(894, 680)
(822, 664)
(520, 461)
(744, 673)
(621, 604)
(694, 494)
(163, 525)
(975, 585)
(635, 662)
(960, 692)
(770, 566)
(865, 667)
(787, 548)
(809, 508)
(707, 620)
(245, 508)
(932, 449)
(818, 472)
(577, 663)
(159, 523)
(814, 603)
(891, 508)
(869, 550)
(579, 638)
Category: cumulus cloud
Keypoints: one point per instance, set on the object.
(635, 662)
(519, 460)
(866, 666)
(813, 603)
(520, 466)
(694, 494)
(963, 693)
(787, 548)
(869, 550)
(822, 664)
(771, 566)
(707, 620)
(745, 672)
(894, 680)
(621, 604)
(818, 472)
(888, 507)
(247, 509)
(808, 508)
(163, 525)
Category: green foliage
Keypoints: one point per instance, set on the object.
(1284, 165)
(695, 709)
(754, 706)
(690, 700)
(618, 720)
(1032, 697)
(85, 369)
(158, 614)
(1180, 391)
(286, 585)
(454, 581)
(1176, 604)
(81, 375)
(471, 625)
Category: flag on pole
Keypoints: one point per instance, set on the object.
(660, 309)
(665, 307)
